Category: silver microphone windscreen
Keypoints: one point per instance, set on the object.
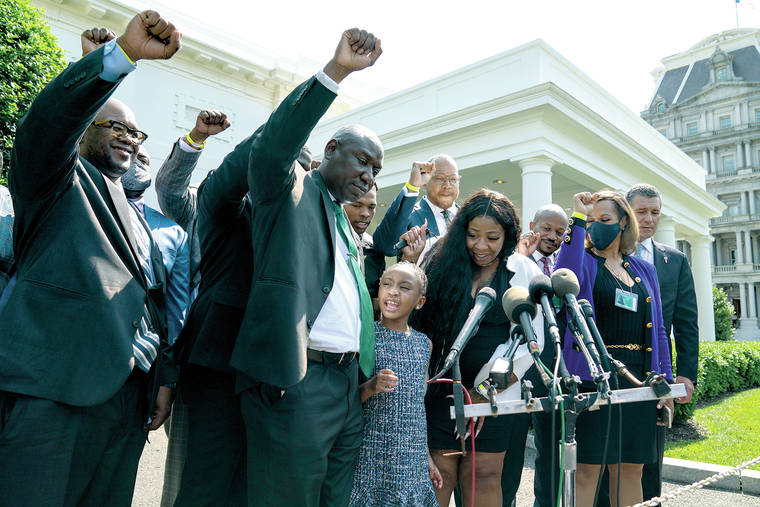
(515, 301)
(565, 282)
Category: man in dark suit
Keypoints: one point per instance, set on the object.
(214, 471)
(440, 177)
(679, 308)
(309, 311)
(83, 326)
(170, 238)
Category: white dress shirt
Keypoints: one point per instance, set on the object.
(537, 256)
(337, 328)
(647, 253)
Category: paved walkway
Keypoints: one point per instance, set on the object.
(150, 478)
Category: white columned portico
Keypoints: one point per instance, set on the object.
(702, 271)
(743, 299)
(743, 203)
(536, 185)
(666, 231)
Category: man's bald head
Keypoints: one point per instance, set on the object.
(109, 152)
(352, 159)
(550, 221)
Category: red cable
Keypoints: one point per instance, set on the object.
(472, 437)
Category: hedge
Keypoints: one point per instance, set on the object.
(723, 367)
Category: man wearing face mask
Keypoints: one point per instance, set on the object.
(171, 240)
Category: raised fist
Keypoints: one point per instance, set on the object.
(148, 36)
(357, 49)
(210, 122)
(583, 202)
(421, 173)
(94, 38)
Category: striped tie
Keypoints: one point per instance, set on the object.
(639, 250)
(146, 340)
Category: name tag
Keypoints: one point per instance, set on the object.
(626, 300)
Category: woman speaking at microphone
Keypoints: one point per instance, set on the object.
(476, 253)
(625, 295)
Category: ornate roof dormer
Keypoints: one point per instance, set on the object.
(721, 66)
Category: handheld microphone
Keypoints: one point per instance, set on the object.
(521, 309)
(541, 290)
(566, 287)
(483, 302)
(403, 244)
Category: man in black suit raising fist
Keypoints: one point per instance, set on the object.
(83, 333)
(308, 325)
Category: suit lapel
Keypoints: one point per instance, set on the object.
(327, 206)
(659, 257)
(432, 223)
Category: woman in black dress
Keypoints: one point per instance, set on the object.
(476, 253)
(625, 294)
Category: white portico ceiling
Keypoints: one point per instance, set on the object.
(529, 101)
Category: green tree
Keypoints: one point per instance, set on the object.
(724, 315)
(29, 58)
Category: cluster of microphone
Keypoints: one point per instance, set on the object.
(520, 305)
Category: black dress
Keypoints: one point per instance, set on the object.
(619, 327)
(493, 331)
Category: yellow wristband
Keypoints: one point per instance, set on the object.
(192, 143)
(125, 54)
(412, 188)
(579, 215)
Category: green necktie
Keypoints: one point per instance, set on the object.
(367, 341)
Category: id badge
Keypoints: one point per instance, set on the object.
(626, 300)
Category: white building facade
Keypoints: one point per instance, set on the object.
(707, 102)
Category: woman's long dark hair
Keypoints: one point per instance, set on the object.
(450, 271)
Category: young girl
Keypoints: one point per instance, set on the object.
(394, 467)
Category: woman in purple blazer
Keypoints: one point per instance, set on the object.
(625, 294)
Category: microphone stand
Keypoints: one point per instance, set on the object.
(456, 377)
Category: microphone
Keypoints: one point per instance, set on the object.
(483, 302)
(541, 290)
(403, 244)
(588, 314)
(521, 309)
(566, 287)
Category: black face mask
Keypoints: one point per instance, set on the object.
(602, 235)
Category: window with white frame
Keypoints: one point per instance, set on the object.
(757, 115)
(660, 107)
(724, 121)
(692, 129)
(721, 73)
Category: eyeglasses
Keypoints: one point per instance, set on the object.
(442, 180)
(120, 129)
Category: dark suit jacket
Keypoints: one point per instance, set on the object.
(223, 226)
(292, 231)
(402, 215)
(68, 326)
(679, 306)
